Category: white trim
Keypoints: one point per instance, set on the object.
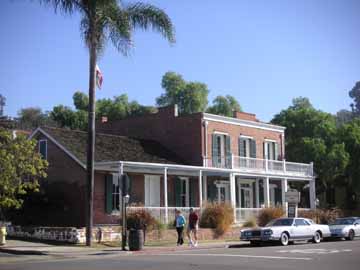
(57, 144)
(220, 133)
(241, 122)
(246, 137)
(270, 140)
(46, 148)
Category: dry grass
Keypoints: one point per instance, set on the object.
(322, 216)
(268, 214)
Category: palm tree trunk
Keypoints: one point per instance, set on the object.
(91, 145)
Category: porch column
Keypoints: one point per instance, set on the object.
(284, 189)
(166, 197)
(205, 189)
(312, 194)
(257, 192)
(200, 189)
(232, 193)
(266, 192)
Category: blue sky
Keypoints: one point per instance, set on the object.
(262, 52)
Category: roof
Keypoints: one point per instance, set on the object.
(111, 147)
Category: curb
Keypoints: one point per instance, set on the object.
(22, 252)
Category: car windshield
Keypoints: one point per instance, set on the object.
(344, 221)
(281, 222)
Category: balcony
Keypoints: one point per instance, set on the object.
(257, 165)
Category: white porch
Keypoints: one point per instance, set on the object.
(248, 191)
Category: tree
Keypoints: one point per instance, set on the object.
(104, 20)
(311, 136)
(343, 117)
(21, 168)
(191, 97)
(355, 95)
(65, 117)
(224, 106)
(30, 118)
(81, 101)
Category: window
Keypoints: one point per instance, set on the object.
(112, 193)
(271, 150)
(43, 149)
(301, 222)
(247, 147)
(116, 194)
(221, 153)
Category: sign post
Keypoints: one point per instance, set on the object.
(292, 197)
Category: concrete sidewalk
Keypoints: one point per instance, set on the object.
(21, 247)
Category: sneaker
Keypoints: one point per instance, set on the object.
(196, 244)
(190, 244)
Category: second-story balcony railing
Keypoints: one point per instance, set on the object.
(260, 165)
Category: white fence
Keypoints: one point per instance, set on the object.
(243, 214)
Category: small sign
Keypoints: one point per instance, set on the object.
(292, 210)
(292, 196)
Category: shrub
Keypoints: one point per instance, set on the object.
(322, 216)
(249, 223)
(141, 219)
(268, 214)
(219, 217)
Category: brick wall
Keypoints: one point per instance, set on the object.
(235, 131)
(64, 188)
(180, 134)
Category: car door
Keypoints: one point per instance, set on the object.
(302, 229)
(357, 227)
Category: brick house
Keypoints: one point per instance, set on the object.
(173, 162)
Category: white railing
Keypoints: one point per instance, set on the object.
(261, 165)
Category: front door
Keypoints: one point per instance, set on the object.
(152, 190)
(245, 193)
(223, 191)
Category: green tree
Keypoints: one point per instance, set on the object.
(224, 106)
(30, 118)
(103, 20)
(81, 101)
(21, 168)
(191, 97)
(311, 136)
(66, 117)
(354, 93)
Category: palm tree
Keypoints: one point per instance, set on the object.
(103, 20)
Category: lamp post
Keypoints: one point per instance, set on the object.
(125, 200)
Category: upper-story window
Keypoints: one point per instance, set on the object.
(271, 150)
(221, 153)
(43, 148)
(247, 147)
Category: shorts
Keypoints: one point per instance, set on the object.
(193, 227)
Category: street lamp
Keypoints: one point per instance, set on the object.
(125, 184)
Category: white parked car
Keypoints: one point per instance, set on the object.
(347, 228)
(285, 230)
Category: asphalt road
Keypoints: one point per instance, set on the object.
(341, 255)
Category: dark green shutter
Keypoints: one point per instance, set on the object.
(252, 148)
(211, 190)
(228, 152)
(108, 193)
(215, 154)
(192, 192)
(241, 147)
(177, 192)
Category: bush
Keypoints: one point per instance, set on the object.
(219, 217)
(322, 216)
(249, 223)
(141, 219)
(268, 214)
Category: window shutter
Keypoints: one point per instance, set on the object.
(192, 191)
(215, 154)
(276, 151)
(265, 150)
(177, 192)
(108, 193)
(227, 152)
(241, 147)
(252, 148)
(212, 190)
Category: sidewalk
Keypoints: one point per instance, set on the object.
(21, 247)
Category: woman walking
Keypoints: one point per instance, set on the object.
(179, 224)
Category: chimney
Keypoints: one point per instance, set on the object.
(245, 116)
(169, 111)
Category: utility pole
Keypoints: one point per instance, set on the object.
(2, 105)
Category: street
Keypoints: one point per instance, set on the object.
(326, 255)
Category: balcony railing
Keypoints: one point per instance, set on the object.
(261, 165)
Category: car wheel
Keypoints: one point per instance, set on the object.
(316, 238)
(351, 235)
(284, 239)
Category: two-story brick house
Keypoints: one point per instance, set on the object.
(177, 162)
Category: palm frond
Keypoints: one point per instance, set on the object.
(147, 16)
(65, 6)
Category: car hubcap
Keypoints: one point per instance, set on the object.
(284, 239)
(317, 237)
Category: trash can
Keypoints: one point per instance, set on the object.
(2, 235)
(136, 239)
